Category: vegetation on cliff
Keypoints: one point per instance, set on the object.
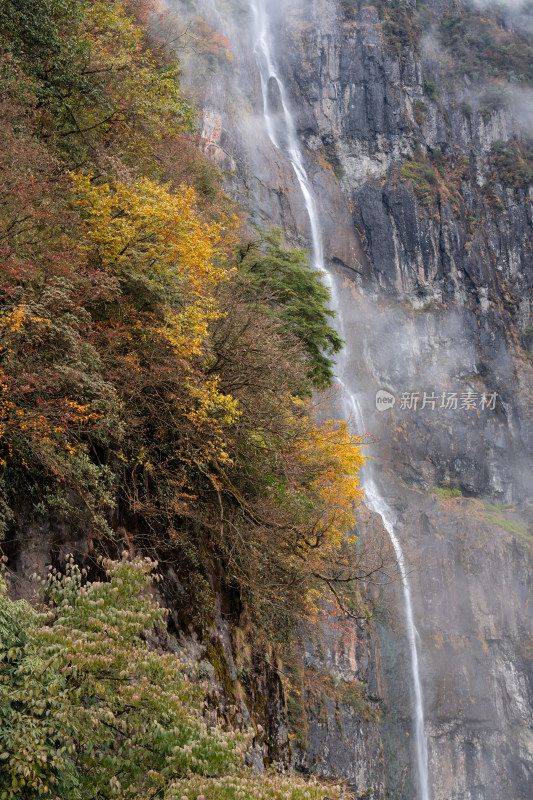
(477, 62)
(483, 42)
(92, 708)
(158, 365)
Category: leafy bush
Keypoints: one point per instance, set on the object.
(91, 710)
(432, 90)
(437, 178)
(513, 163)
(400, 26)
(249, 787)
(297, 297)
(424, 178)
(36, 744)
(445, 490)
(483, 47)
(419, 112)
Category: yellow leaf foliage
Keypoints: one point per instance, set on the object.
(147, 225)
(141, 95)
(144, 227)
(332, 457)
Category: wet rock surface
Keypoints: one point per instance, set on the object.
(472, 583)
(344, 697)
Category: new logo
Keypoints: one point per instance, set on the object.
(384, 400)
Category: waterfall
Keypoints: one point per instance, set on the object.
(377, 504)
(269, 75)
(286, 140)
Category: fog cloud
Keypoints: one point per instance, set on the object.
(517, 14)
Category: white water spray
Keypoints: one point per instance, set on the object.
(269, 76)
(376, 503)
(286, 140)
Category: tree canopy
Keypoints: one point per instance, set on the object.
(158, 358)
(298, 297)
(158, 367)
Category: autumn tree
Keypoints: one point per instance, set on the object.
(53, 395)
(154, 338)
(275, 515)
(158, 370)
(154, 370)
(97, 83)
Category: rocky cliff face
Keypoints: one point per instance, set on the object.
(422, 171)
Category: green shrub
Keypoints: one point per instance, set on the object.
(445, 490)
(513, 163)
(419, 112)
(36, 742)
(424, 178)
(91, 707)
(483, 47)
(400, 26)
(92, 711)
(432, 90)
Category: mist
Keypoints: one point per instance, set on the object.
(517, 14)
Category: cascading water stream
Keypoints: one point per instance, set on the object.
(268, 73)
(375, 502)
(281, 130)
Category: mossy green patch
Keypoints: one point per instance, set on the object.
(447, 491)
(215, 654)
(497, 507)
(510, 525)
